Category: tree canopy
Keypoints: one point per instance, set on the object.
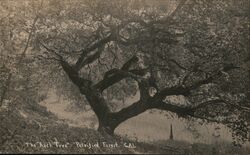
(165, 50)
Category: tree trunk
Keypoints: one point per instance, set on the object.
(105, 129)
(108, 124)
(114, 119)
(98, 104)
(109, 121)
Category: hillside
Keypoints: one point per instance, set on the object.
(23, 132)
(39, 131)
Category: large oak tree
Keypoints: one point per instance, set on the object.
(194, 49)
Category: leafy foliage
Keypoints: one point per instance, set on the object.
(197, 50)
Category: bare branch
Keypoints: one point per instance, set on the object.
(168, 18)
(178, 64)
(83, 59)
(181, 111)
(51, 50)
(185, 90)
(115, 75)
(83, 84)
(206, 103)
(129, 63)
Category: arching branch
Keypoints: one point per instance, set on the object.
(84, 59)
(185, 90)
(115, 75)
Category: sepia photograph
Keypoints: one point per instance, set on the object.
(125, 77)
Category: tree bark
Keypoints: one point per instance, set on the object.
(109, 121)
(113, 119)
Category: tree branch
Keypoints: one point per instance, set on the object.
(187, 111)
(51, 50)
(84, 59)
(115, 75)
(140, 107)
(185, 90)
(83, 84)
(206, 103)
(168, 18)
(129, 63)
(128, 112)
(178, 64)
(181, 111)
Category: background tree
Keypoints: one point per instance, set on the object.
(17, 63)
(19, 74)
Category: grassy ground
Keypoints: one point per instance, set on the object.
(31, 132)
(220, 148)
(41, 132)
